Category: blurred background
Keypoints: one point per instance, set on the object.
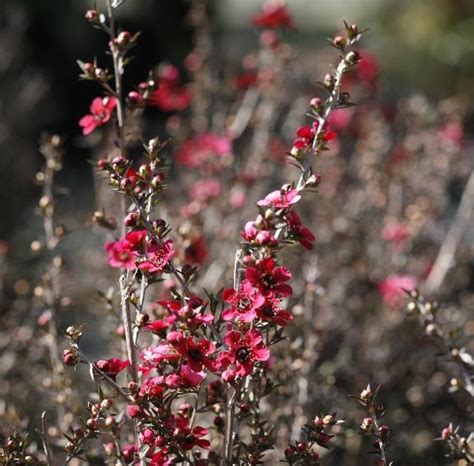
(423, 51)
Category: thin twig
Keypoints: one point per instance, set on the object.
(444, 259)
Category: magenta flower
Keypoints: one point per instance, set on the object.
(270, 280)
(158, 257)
(298, 231)
(245, 350)
(244, 303)
(271, 312)
(101, 110)
(281, 199)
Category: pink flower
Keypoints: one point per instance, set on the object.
(393, 287)
(206, 148)
(185, 378)
(112, 366)
(205, 190)
(152, 388)
(244, 303)
(281, 199)
(273, 15)
(298, 231)
(270, 280)
(158, 257)
(101, 110)
(120, 254)
(245, 350)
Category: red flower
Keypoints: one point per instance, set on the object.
(152, 388)
(101, 110)
(112, 367)
(244, 303)
(300, 232)
(270, 280)
(281, 199)
(273, 15)
(179, 429)
(392, 288)
(158, 257)
(306, 136)
(158, 326)
(191, 313)
(245, 350)
(270, 311)
(197, 354)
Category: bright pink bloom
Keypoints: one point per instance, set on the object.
(185, 378)
(245, 350)
(101, 110)
(122, 253)
(281, 199)
(152, 388)
(393, 287)
(452, 132)
(273, 15)
(112, 366)
(155, 355)
(270, 280)
(244, 303)
(158, 257)
(300, 232)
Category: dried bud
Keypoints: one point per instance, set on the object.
(367, 424)
(339, 41)
(366, 394)
(352, 58)
(100, 74)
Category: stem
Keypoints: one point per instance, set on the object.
(383, 457)
(229, 434)
(127, 322)
(444, 259)
(45, 440)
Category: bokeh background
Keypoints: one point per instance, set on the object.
(424, 50)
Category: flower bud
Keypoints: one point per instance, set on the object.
(123, 38)
(91, 16)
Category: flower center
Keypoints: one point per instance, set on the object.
(243, 354)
